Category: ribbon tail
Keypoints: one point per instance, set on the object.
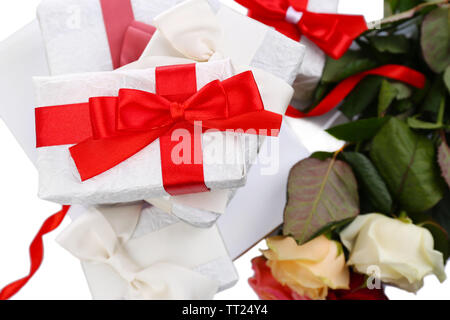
(263, 123)
(36, 253)
(341, 91)
(136, 39)
(93, 157)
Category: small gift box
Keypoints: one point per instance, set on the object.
(135, 251)
(96, 35)
(137, 134)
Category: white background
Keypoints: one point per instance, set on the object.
(22, 213)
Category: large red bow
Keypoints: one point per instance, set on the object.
(127, 38)
(333, 33)
(109, 130)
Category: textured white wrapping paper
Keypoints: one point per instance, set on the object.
(74, 32)
(157, 238)
(139, 177)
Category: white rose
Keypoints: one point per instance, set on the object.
(401, 251)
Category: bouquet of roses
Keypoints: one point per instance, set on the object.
(377, 211)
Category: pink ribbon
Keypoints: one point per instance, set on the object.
(127, 37)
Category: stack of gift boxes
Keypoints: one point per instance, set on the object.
(135, 122)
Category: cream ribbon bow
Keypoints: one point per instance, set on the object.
(192, 29)
(99, 238)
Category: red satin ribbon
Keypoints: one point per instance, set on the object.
(127, 38)
(109, 130)
(394, 72)
(333, 33)
(36, 253)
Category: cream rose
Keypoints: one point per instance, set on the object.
(402, 252)
(308, 269)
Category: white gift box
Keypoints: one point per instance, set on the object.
(135, 251)
(74, 32)
(140, 176)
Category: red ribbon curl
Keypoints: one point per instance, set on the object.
(36, 253)
(332, 100)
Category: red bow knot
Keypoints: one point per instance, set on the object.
(143, 111)
(177, 111)
(333, 33)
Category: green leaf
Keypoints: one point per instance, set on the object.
(407, 162)
(434, 97)
(435, 39)
(404, 5)
(415, 123)
(402, 106)
(387, 95)
(447, 78)
(444, 161)
(370, 181)
(396, 44)
(359, 130)
(441, 212)
(319, 193)
(352, 62)
(322, 155)
(403, 91)
(361, 97)
(440, 237)
(333, 227)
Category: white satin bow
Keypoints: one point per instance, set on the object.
(99, 238)
(192, 29)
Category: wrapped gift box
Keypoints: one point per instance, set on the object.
(140, 176)
(122, 245)
(76, 36)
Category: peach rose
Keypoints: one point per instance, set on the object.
(308, 269)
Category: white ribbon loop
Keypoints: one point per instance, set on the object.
(100, 237)
(293, 16)
(191, 28)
